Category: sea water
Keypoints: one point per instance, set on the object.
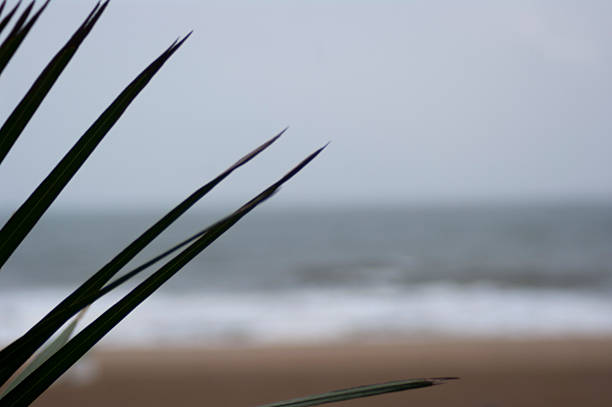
(337, 274)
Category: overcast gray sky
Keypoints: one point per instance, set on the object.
(423, 101)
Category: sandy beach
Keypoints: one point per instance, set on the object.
(568, 372)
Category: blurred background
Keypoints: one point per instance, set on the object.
(466, 192)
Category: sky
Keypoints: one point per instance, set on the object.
(423, 102)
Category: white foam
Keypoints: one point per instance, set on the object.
(325, 315)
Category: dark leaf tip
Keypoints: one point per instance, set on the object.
(441, 380)
(180, 42)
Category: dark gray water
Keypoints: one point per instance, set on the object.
(470, 258)
(556, 247)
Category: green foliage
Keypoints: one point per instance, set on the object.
(63, 352)
(45, 353)
(360, 391)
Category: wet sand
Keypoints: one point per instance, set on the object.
(569, 372)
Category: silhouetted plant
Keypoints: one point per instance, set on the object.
(57, 357)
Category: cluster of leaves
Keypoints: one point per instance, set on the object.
(26, 371)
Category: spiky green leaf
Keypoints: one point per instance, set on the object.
(28, 390)
(5, 20)
(15, 354)
(360, 391)
(45, 354)
(19, 118)
(24, 219)
(18, 33)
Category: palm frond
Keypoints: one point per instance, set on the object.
(22, 27)
(15, 354)
(360, 391)
(23, 112)
(60, 354)
(45, 354)
(24, 219)
(37, 382)
(5, 20)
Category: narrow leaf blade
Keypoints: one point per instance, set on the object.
(360, 391)
(5, 20)
(24, 219)
(46, 353)
(21, 115)
(15, 354)
(21, 29)
(28, 390)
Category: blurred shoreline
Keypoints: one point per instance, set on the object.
(553, 372)
(322, 275)
(331, 315)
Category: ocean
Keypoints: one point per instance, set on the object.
(321, 275)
